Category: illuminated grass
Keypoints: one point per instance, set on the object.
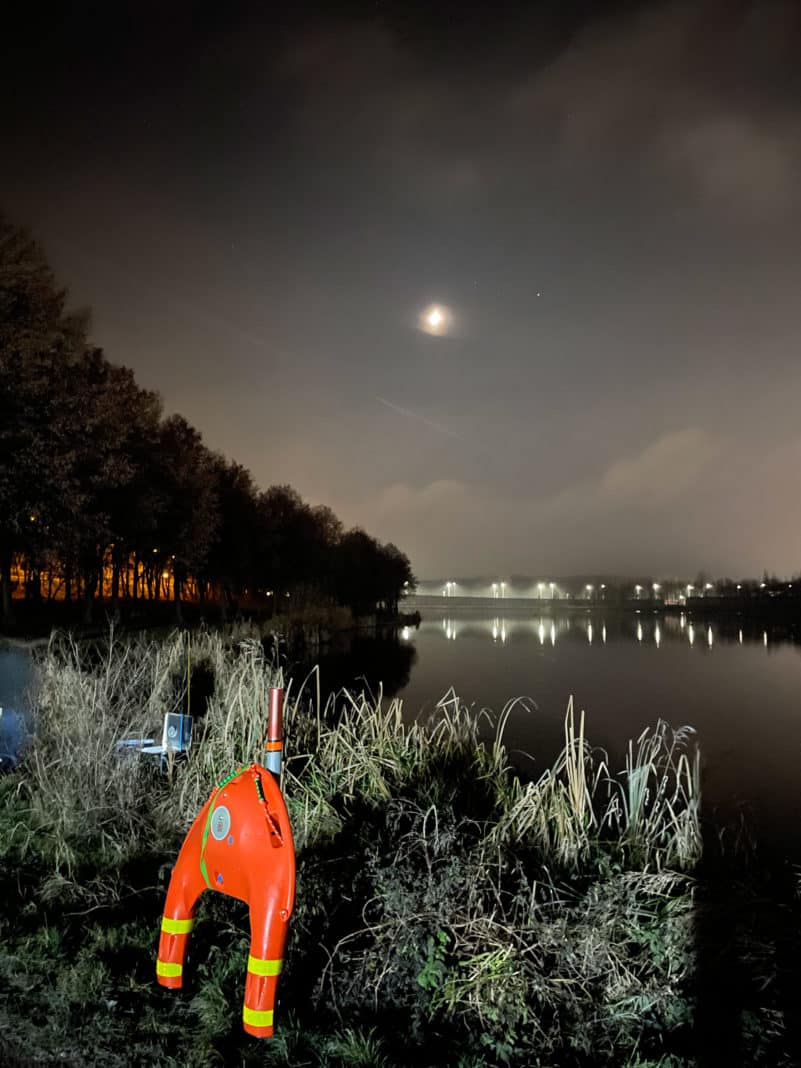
(438, 896)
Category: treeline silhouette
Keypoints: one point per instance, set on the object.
(102, 496)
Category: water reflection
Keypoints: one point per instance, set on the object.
(365, 661)
(653, 631)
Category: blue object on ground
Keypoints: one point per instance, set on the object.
(16, 676)
(11, 737)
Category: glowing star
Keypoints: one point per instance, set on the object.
(436, 320)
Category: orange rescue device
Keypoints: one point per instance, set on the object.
(240, 844)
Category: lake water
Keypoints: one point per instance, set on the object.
(15, 678)
(738, 685)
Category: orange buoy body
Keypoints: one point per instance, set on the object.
(240, 844)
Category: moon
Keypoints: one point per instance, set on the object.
(436, 319)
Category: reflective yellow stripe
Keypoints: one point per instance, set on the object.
(176, 926)
(259, 966)
(256, 1018)
(169, 971)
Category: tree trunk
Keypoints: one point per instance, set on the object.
(5, 582)
(115, 580)
(88, 601)
(32, 587)
(115, 588)
(176, 592)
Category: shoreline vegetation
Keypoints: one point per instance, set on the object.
(308, 627)
(447, 912)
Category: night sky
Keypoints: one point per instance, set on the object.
(259, 206)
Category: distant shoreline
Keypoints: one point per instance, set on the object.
(785, 610)
(33, 629)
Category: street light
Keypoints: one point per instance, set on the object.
(539, 590)
(495, 589)
(503, 589)
(638, 591)
(552, 585)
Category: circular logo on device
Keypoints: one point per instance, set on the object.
(220, 822)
